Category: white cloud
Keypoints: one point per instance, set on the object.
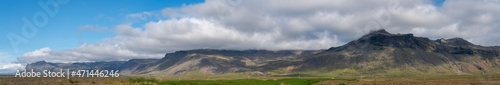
(172, 35)
(9, 68)
(283, 24)
(93, 28)
(88, 53)
(450, 31)
(40, 52)
(135, 17)
(127, 30)
(142, 15)
(8, 64)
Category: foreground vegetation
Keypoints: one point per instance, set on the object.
(286, 81)
(446, 80)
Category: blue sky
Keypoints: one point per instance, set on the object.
(117, 30)
(61, 31)
(438, 3)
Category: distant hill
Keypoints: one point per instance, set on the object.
(378, 52)
(42, 65)
(207, 61)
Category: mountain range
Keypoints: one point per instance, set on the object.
(376, 53)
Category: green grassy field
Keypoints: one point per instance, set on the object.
(286, 81)
(134, 80)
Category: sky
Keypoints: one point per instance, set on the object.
(77, 22)
(111, 30)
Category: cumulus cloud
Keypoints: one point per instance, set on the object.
(283, 24)
(172, 35)
(87, 53)
(8, 64)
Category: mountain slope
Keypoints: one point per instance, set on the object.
(382, 52)
(378, 52)
(209, 61)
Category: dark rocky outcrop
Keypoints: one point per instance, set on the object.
(380, 51)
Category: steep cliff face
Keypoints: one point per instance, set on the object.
(382, 52)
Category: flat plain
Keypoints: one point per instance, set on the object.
(441, 80)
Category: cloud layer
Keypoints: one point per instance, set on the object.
(8, 64)
(283, 24)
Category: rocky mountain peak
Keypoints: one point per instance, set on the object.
(383, 38)
(384, 33)
(40, 62)
(460, 42)
(380, 31)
